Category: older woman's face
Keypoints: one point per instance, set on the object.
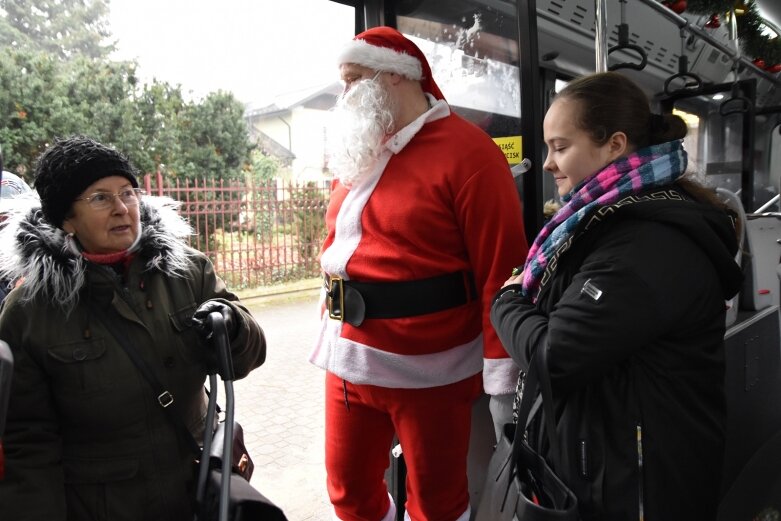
(106, 230)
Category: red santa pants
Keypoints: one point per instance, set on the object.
(433, 426)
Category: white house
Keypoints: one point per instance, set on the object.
(292, 129)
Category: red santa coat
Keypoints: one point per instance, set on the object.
(441, 199)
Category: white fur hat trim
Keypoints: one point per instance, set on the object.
(381, 59)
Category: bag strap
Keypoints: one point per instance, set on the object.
(546, 392)
(537, 379)
(164, 397)
(528, 398)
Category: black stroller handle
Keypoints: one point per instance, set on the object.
(219, 339)
(225, 368)
(203, 469)
(221, 493)
(221, 344)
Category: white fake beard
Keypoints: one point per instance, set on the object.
(361, 122)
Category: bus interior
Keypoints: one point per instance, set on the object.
(501, 62)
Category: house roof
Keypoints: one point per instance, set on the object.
(286, 102)
(271, 147)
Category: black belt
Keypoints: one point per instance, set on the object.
(352, 301)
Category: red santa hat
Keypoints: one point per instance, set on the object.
(386, 49)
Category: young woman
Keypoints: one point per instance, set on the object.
(625, 286)
(86, 436)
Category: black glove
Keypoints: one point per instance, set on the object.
(201, 315)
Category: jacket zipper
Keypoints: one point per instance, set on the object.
(583, 459)
(641, 514)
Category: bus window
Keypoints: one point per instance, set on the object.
(722, 152)
(724, 147)
(692, 139)
(473, 52)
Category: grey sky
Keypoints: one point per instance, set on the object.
(254, 48)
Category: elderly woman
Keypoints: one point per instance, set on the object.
(86, 437)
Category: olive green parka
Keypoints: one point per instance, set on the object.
(85, 437)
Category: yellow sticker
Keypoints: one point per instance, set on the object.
(511, 146)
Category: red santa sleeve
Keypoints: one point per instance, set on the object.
(489, 211)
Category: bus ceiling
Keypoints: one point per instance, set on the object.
(567, 39)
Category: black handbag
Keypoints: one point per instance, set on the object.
(519, 483)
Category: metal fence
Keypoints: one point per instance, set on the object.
(256, 234)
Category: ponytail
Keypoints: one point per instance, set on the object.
(665, 127)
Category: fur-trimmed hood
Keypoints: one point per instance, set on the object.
(53, 268)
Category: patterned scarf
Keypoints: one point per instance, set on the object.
(654, 166)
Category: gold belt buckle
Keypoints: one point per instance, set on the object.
(335, 314)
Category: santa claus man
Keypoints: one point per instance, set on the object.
(424, 225)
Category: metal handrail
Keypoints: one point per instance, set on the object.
(768, 204)
(600, 21)
(704, 36)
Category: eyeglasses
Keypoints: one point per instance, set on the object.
(105, 200)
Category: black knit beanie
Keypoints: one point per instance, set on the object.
(69, 166)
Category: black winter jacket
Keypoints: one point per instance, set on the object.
(85, 437)
(634, 318)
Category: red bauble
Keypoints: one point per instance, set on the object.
(678, 7)
(774, 68)
(713, 22)
(759, 62)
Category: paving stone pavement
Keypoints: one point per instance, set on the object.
(280, 407)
